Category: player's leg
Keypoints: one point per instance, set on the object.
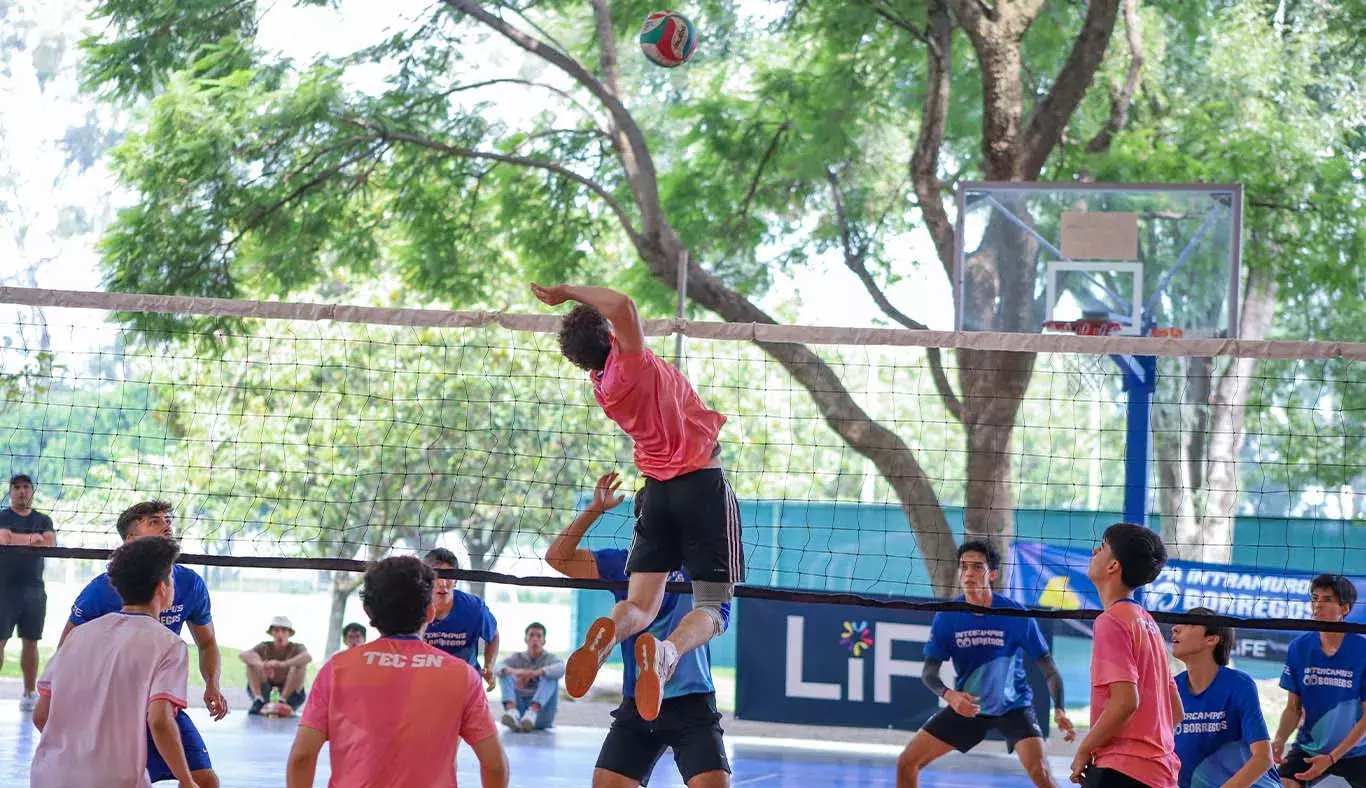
(293, 690)
(691, 726)
(1296, 761)
(1353, 770)
(629, 752)
(31, 618)
(1035, 762)
(946, 731)
(257, 682)
(707, 513)
(196, 756)
(1023, 734)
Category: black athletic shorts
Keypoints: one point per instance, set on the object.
(1096, 777)
(23, 608)
(964, 733)
(689, 724)
(1353, 770)
(692, 521)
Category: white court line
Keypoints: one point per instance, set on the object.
(756, 780)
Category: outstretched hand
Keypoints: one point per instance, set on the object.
(605, 495)
(551, 296)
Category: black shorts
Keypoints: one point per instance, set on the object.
(689, 724)
(964, 733)
(1353, 770)
(692, 521)
(1096, 777)
(23, 608)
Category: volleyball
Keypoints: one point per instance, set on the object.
(668, 39)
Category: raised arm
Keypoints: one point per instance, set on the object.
(564, 555)
(618, 308)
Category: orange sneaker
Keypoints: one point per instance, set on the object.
(655, 661)
(582, 668)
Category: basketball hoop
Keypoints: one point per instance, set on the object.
(1089, 372)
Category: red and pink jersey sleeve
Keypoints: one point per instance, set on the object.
(1129, 649)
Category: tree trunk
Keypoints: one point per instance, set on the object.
(343, 585)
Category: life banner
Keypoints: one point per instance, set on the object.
(840, 665)
(1050, 576)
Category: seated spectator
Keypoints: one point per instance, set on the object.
(353, 635)
(530, 682)
(278, 663)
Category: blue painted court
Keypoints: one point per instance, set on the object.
(249, 752)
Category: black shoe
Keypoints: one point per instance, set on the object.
(296, 700)
(256, 705)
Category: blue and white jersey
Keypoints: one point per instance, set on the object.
(693, 674)
(988, 654)
(1215, 738)
(1331, 689)
(191, 604)
(458, 633)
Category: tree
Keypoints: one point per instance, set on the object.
(254, 175)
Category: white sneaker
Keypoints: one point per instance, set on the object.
(529, 721)
(28, 701)
(511, 719)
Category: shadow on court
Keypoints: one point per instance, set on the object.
(250, 752)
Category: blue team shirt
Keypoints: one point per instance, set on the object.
(459, 633)
(191, 601)
(692, 676)
(988, 654)
(1331, 689)
(1215, 738)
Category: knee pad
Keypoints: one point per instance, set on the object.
(714, 599)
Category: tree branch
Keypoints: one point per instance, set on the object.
(930, 139)
(640, 168)
(881, 9)
(855, 260)
(1124, 97)
(1051, 116)
(448, 149)
(743, 216)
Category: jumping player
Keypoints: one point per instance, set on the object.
(991, 689)
(462, 620)
(688, 721)
(1134, 702)
(99, 598)
(1325, 674)
(689, 518)
(1222, 740)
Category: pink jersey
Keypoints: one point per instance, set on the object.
(649, 398)
(394, 712)
(100, 683)
(1129, 648)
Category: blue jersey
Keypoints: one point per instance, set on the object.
(459, 633)
(1215, 738)
(191, 601)
(692, 676)
(1331, 689)
(988, 654)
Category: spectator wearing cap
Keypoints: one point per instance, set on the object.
(278, 663)
(23, 597)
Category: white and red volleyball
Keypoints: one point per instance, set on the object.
(668, 39)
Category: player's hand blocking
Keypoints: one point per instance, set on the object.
(551, 296)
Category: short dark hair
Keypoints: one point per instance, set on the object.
(1344, 589)
(138, 511)
(1225, 635)
(987, 549)
(1138, 550)
(441, 555)
(397, 593)
(586, 338)
(139, 566)
(20, 478)
(352, 627)
(535, 625)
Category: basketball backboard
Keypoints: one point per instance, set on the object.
(1158, 259)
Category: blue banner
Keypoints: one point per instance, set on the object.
(836, 665)
(1049, 576)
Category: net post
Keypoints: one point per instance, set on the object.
(1138, 436)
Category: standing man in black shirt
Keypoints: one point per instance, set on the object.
(23, 600)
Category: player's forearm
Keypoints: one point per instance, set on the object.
(567, 543)
(47, 539)
(493, 767)
(606, 300)
(1290, 718)
(930, 676)
(1053, 679)
(166, 737)
(6, 536)
(1117, 713)
(210, 663)
(1255, 767)
(554, 670)
(491, 651)
(298, 660)
(251, 658)
(1351, 740)
(300, 770)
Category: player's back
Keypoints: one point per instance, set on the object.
(100, 683)
(394, 712)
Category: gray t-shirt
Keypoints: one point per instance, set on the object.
(550, 663)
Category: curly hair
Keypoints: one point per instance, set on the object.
(586, 338)
(1138, 550)
(138, 511)
(139, 566)
(397, 593)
